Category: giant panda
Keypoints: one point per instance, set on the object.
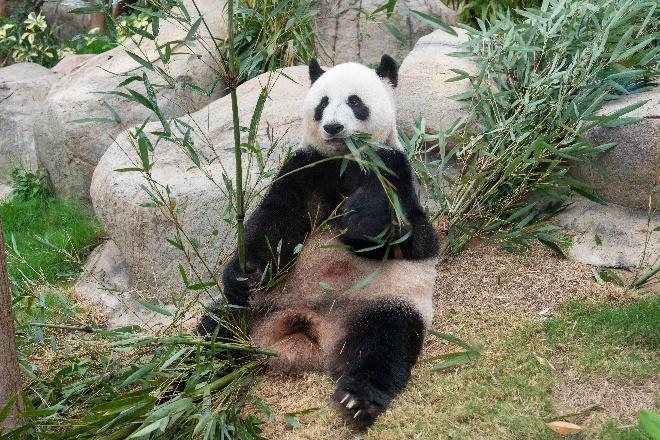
(323, 316)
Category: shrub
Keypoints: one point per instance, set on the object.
(540, 82)
(29, 40)
(29, 184)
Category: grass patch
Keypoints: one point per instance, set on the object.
(46, 240)
(619, 342)
(506, 394)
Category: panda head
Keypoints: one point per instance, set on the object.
(347, 99)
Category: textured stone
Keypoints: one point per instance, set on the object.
(108, 284)
(68, 25)
(71, 63)
(5, 192)
(140, 233)
(23, 88)
(622, 231)
(69, 151)
(423, 90)
(627, 173)
(350, 37)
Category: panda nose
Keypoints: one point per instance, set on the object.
(333, 128)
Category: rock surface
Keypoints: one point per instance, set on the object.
(349, 36)
(423, 90)
(5, 191)
(622, 232)
(70, 151)
(23, 88)
(70, 63)
(627, 173)
(68, 24)
(140, 233)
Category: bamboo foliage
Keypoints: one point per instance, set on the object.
(540, 83)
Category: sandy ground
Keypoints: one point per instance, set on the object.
(483, 291)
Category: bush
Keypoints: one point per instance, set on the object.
(29, 184)
(29, 40)
(541, 80)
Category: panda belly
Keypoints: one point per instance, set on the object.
(306, 316)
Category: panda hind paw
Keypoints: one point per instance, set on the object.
(360, 405)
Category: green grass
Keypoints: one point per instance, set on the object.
(46, 241)
(510, 391)
(620, 342)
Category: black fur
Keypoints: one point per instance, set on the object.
(380, 349)
(367, 213)
(315, 70)
(318, 110)
(360, 110)
(388, 69)
(295, 204)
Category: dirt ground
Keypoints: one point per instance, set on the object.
(483, 292)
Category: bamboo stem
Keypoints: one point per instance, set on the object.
(233, 75)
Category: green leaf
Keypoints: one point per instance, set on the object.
(396, 33)
(364, 282)
(456, 359)
(326, 287)
(433, 21)
(6, 409)
(291, 420)
(452, 339)
(155, 308)
(138, 374)
(649, 422)
(193, 29)
(138, 59)
(598, 240)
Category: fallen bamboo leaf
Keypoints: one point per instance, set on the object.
(564, 428)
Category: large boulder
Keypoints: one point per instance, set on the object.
(423, 89)
(70, 151)
(611, 235)
(345, 34)
(627, 173)
(23, 88)
(58, 15)
(141, 233)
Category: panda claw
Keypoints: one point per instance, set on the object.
(351, 404)
(344, 399)
(357, 413)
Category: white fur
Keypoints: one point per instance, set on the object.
(338, 83)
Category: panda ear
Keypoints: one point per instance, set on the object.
(388, 69)
(315, 70)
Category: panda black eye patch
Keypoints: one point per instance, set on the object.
(318, 111)
(360, 110)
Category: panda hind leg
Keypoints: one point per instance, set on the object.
(380, 349)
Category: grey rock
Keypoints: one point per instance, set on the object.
(23, 88)
(68, 25)
(5, 192)
(140, 233)
(423, 90)
(71, 63)
(108, 285)
(70, 151)
(627, 173)
(623, 231)
(350, 37)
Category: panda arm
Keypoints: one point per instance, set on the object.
(280, 222)
(367, 213)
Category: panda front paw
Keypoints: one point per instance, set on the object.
(365, 216)
(237, 284)
(360, 402)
